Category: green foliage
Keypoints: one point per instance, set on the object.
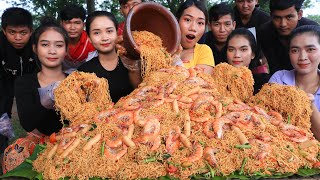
(315, 18)
(41, 8)
(112, 6)
(25, 170)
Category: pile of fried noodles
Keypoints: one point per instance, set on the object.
(178, 123)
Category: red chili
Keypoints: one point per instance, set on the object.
(172, 169)
(52, 138)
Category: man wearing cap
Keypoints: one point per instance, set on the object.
(273, 36)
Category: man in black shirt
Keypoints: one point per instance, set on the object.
(273, 36)
(16, 58)
(221, 24)
(247, 14)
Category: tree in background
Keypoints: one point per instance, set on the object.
(41, 8)
(316, 18)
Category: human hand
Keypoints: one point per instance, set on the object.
(119, 46)
(311, 97)
(6, 128)
(131, 65)
(47, 95)
(177, 57)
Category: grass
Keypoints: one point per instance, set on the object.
(18, 130)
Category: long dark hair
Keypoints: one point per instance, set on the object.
(252, 42)
(312, 29)
(189, 3)
(46, 24)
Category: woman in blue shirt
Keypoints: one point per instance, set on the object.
(304, 52)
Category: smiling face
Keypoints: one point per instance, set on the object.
(18, 36)
(285, 21)
(246, 7)
(305, 53)
(192, 26)
(239, 52)
(51, 49)
(103, 34)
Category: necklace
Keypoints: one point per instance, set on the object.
(314, 91)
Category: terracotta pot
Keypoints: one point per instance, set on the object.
(155, 18)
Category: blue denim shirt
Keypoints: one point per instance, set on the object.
(286, 77)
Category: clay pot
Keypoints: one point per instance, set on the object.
(155, 18)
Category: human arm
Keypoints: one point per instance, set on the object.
(315, 118)
(277, 77)
(315, 121)
(134, 70)
(30, 110)
(204, 58)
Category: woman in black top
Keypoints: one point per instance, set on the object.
(50, 45)
(101, 27)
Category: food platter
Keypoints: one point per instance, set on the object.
(180, 124)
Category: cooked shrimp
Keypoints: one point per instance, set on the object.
(147, 90)
(263, 137)
(184, 105)
(137, 119)
(197, 153)
(104, 116)
(195, 81)
(185, 99)
(152, 127)
(192, 72)
(235, 116)
(208, 129)
(114, 141)
(294, 133)
(194, 90)
(115, 153)
(238, 105)
(261, 112)
(156, 143)
(242, 138)
(170, 86)
(194, 96)
(257, 121)
(218, 126)
(205, 103)
(132, 103)
(125, 118)
(172, 141)
(185, 141)
(218, 107)
(200, 119)
(175, 106)
(275, 118)
(209, 156)
(264, 149)
(130, 131)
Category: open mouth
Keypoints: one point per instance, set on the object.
(190, 36)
